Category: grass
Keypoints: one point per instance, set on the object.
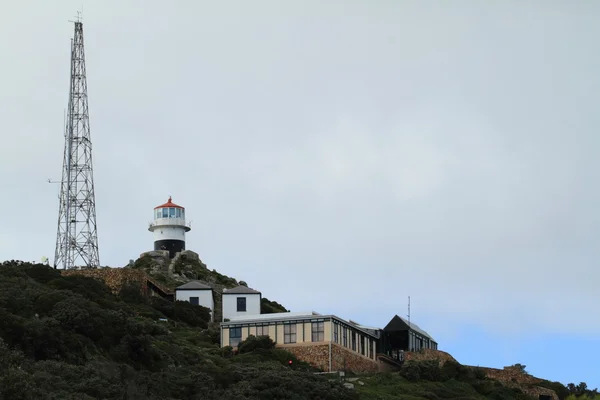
(390, 386)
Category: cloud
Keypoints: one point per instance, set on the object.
(336, 159)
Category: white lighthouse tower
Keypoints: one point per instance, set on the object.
(169, 228)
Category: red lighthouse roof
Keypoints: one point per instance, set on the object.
(169, 203)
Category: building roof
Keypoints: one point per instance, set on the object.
(273, 316)
(371, 329)
(289, 316)
(193, 285)
(241, 290)
(169, 203)
(399, 323)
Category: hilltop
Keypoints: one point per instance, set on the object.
(187, 266)
(68, 336)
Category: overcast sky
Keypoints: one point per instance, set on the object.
(338, 156)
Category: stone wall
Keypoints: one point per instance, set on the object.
(115, 278)
(156, 253)
(429, 354)
(318, 356)
(353, 362)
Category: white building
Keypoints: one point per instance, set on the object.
(169, 228)
(240, 301)
(198, 294)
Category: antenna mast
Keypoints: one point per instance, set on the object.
(408, 311)
(77, 238)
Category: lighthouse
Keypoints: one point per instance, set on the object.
(169, 228)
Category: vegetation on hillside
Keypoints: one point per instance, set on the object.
(71, 338)
(565, 392)
(572, 391)
(427, 380)
(269, 307)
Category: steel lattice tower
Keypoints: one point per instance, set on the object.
(77, 238)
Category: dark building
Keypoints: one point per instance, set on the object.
(399, 336)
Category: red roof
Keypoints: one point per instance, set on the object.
(169, 204)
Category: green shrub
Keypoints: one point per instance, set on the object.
(131, 292)
(411, 371)
(479, 373)
(561, 390)
(144, 262)
(42, 273)
(253, 342)
(182, 311)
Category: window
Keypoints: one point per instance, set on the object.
(165, 213)
(354, 341)
(362, 345)
(371, 349)
(345, 336)
(235, 336)
(262, 330)
(178, 212)
(335, 333)
(318, 331)
(195, 300)
(172, 212)
(289, 333)
(241, 304)
(158, 213)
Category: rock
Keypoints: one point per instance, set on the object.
(514, 377)
(429, 354)
(349, 385)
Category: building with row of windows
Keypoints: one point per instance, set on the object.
(298, 328)
(326, 341)
(299, 331)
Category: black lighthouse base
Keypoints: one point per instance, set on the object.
(173, 246)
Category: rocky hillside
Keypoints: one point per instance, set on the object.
(438, 376)
(187, 266)
(70, 337)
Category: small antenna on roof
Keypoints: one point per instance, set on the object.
(408, 311)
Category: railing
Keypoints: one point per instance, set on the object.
(159, 286)
(170, 222)
(390, 359)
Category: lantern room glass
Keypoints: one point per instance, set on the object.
(169, 212)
